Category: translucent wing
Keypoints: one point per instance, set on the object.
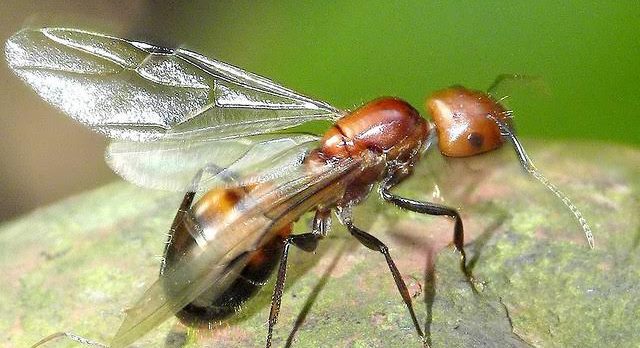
(171, 111)
(171, 164)
(267, 208)
(135, 91)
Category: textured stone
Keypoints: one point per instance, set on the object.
(76, 265)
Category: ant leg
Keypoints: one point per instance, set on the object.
(187, 200)
(70, 336)
(307, 242)
(375, 244)
(192, 189)
(433, 209)
(225, 174)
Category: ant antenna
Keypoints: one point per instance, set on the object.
(71, 336)
(528, 165)
(432, 138)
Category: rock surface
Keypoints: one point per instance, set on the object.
(76, 265)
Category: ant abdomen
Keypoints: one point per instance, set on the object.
(181, 246)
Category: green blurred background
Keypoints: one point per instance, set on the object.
(586, 55)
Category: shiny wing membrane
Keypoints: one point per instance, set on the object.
(267, 208)
(135, 91)
(171, 164)
(179, 103)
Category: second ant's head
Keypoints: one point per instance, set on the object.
(466, 121)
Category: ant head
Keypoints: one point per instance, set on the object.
(470, 122)
(467, 121)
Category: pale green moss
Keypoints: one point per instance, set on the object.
(78, 264)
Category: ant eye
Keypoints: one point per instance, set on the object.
(464, 123)
(476, 140)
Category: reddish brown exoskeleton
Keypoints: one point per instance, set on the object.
(179, 118)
